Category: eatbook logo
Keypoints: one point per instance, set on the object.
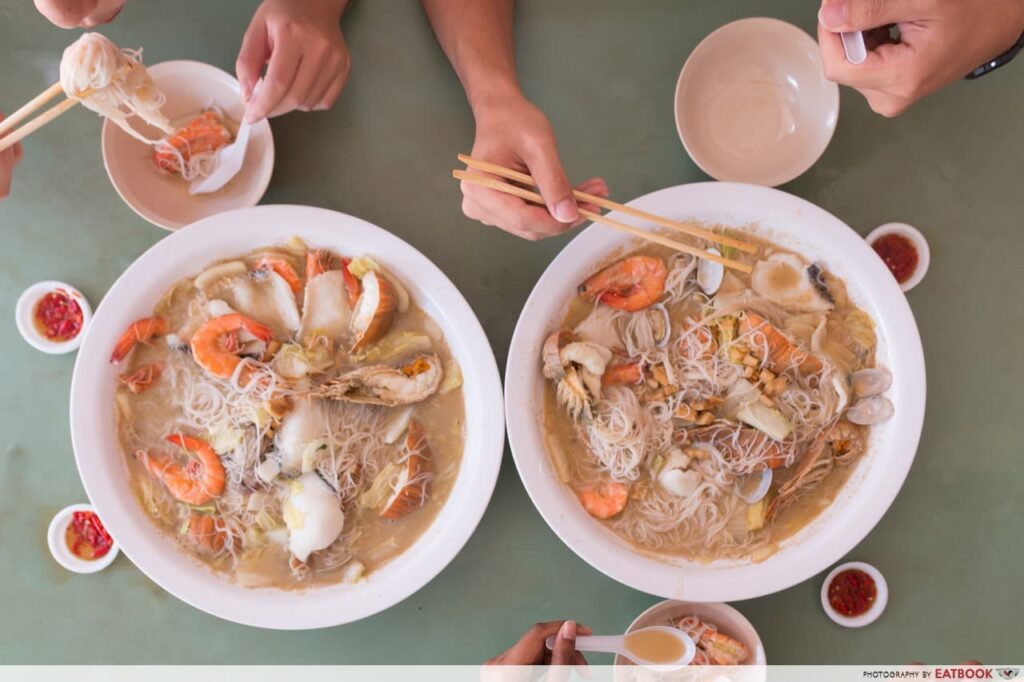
(1008, 673)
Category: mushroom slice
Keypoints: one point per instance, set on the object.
(410, 490)
(375, 311)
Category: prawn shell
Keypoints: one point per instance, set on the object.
(375, 311)
(413, 488)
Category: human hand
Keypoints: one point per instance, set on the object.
(939, 42)
(80, 13)
(307, 60)
(9, 158)
(530, 649)
(514, 133)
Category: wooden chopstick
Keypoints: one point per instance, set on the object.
(687, 228)
(523, 193)
(9, 123)
(35, 124)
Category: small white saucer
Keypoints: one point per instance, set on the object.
(753, 105)
(26, 308)
(881, 599)
(59, 548)
(924, 255)
(164, 200)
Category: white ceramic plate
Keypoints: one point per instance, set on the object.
(728, 620)
(752, 103)
(164, 200)
(873, 485)
(105, 475)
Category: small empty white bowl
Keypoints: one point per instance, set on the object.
(872, 614)
(25, 310)
(924, 255)
(59, 547)
(162, 199)
(753, 105)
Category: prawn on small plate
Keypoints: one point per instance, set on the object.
(290, 416)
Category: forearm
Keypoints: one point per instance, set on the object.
(477, 37)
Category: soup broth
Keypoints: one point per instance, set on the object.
(710, 414)
(290, 417)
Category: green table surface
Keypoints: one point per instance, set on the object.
(605, 72)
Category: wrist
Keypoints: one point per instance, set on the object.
(493, 94)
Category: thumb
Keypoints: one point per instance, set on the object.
(861, 15)
(252, 57)
(565, 644)
(546, 168)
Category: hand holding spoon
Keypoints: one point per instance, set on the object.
(660, 647)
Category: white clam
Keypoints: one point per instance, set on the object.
(873, 410)
(785, 279)
(872, 381)
(313, 515)
(752, 488)
(710, 273)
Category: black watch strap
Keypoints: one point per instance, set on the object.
(994, 63)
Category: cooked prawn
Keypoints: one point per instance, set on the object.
(352, 284)
(319, 261)
(141, 379)
(206, 534)
(199, 481)
(215, 344)
(723, 649)
(282, 268)
(204, 134)
(604, 500)
(781, 352)
(139, 331)
(623, 373)
(631, 284)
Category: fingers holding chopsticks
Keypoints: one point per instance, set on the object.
(9, 158)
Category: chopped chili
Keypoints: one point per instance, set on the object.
(58, 316)
(899, 254)
(86, 537)
(852, 592)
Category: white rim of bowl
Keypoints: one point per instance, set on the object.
(25, 308)
(59, 549)
(108, 127)
(881, 599)
(779, 178)
(924, 255)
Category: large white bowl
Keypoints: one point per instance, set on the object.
(105, 475)
(873, 485)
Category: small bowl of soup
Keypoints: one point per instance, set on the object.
(152, 184)
(722, 635)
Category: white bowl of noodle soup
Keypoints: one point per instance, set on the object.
(105, 475)
(876, 477)
(162, 199)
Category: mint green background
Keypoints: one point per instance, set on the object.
(604, 71)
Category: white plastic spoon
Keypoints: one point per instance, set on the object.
(633, 646)
(228, 163)
(854, 46)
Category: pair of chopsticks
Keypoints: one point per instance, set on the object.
(9, 138)
(534, 197)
